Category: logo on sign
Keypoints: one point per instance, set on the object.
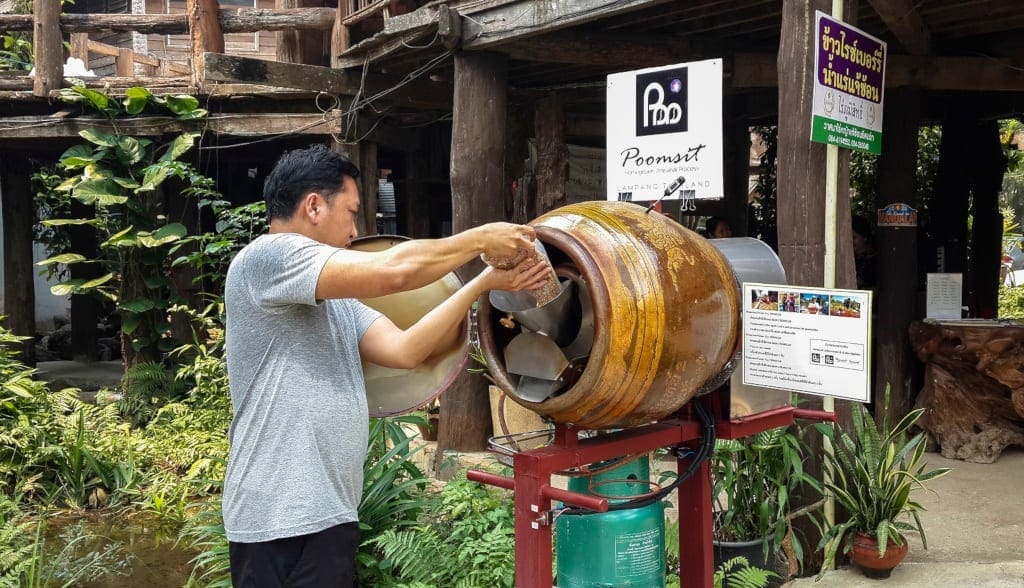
(661, 102)
(897, 214)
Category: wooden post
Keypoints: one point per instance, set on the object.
(477, 161)
(895, 305)
(124, 63)
(19, 275)
(949, 210)
(80, 47)
(204, 33)
(987, 229)
(49, 47)
(521, 207)
(368, 186)
(339, 34)
(801, 195)
(85, 308)
(301, 46)
(736, 134)
(552, 171)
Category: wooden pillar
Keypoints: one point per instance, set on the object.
(895, 305)
(552, 171)
(80, 47)
(301, 46)
(987, 228)
(949, 212)
(49, 47)
(736, 135)
(19, 273)
(364, 156)
(412, 197)
(521, 207)
(801, 199)
(339, 33)
(204, 33)
(85, 308)
(124, 63)
(477, 180)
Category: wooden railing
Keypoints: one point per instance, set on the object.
(206, 34)
(125, 58)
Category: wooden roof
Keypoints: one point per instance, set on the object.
(943, 45)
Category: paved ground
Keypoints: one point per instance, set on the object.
(89, 376)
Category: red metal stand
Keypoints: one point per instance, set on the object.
(533, 492)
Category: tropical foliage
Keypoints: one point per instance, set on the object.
(876, 471)
(754, 478)
(120, 180)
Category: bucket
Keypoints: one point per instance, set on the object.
(665, 306)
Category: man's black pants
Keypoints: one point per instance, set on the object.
(325, 559)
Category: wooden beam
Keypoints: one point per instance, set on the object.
(520, 20)
(230, 68)
(232, 20)
(49, 48)
(905, 22)
(614, 50)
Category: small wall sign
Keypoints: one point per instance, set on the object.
(897, 214)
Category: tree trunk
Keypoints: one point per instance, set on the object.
(478, 187)
(19, 277)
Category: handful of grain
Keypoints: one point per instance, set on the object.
(546, 293)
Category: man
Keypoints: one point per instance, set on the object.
(295, 336)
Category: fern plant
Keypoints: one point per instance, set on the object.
(466, 540)
(738, 573)
(145, 388)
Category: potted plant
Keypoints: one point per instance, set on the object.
(753, 480)
(874, 476)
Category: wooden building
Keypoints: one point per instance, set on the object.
(450, 95)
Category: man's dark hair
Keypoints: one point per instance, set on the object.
(299, 172)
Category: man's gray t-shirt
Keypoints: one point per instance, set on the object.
(299, 433)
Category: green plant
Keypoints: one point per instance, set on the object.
(875, 471)
(392, 492)
(121, 179)
(145, 388)
(465, 540)
(754, 478)
(738, 573)
(83, 557)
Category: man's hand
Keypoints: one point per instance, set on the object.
(528, 275)
(505, 239)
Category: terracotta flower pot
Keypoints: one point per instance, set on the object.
(865, 555)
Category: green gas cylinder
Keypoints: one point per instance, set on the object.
(616, 548)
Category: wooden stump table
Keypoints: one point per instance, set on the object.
(974, 385)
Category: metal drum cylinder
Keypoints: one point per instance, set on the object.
(665, 315)
(391, 391)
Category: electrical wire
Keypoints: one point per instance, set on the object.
(703, 453)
